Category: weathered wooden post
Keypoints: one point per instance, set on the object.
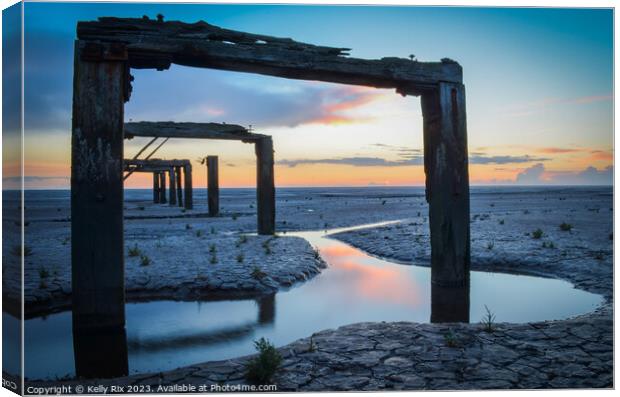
(265, 186)
(155, 187)
(213, 185)
(447, 192)
(162, 187)
(179, 186)
(173, 185)
(187, 171)
(100, 88)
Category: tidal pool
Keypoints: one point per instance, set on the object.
(356, 287)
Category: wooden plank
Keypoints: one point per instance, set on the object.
(173, 187)
(179, 186)
(265, 187)
(189, 193)
(213, 185)
(97, 247)
(447, 192)
(157, 44)
(156, 163)
(170, 129)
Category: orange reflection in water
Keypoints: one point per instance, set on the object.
(372, 278)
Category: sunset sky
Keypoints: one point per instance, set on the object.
(538, 82)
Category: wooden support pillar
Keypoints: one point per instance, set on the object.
(173, 186)
(155, 187)
(265, 187)
(187, 171)
(447, 192)
(213, 186)
(179, 186)
(100, 85)
(162, 187)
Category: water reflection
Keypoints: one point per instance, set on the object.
(356, 287)
(100, 353)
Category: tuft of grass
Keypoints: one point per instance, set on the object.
(488, 321)
(490, 245)
(134, 251)
(548, 244)
(257, 273)
(43, 273)
(317, 255)
(144, 260)
(501, 221)
(450, 339)
(261, 369)
(266, 247)
(188, 226)
(242, 240)
(311, 345)
(213, 259)
(240, 258)
(198, 233)
(212, 248)
(537, 234)
(565, 227)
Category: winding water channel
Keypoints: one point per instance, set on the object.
(356, 287)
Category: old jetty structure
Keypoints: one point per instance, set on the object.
(175, 170)
(105, 52)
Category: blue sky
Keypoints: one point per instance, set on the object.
(539, 93)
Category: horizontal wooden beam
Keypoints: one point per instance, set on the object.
(161, 163)
(155, 44)
(169, 129)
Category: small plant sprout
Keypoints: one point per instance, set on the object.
(261, 369)
(488, 321)
(548, 244)
(317, 255)
(450, 339)
(43, 273)
(490, 245)
(212, 248)
(144, 260)
(566, 227)
(257, 273)
(537, 234)
(198, 233)
(213, 259)
(240, 258)
(242, 240)
(311, 345)
(134, 251)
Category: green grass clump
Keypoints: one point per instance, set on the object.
(240, 258)
(450, 339)
(242, 240)
(488, 321)
(145, 260)
(565, 227)
(257, 273)
(43, 273)
(261, 369)
(134, 251)
(537, 234)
